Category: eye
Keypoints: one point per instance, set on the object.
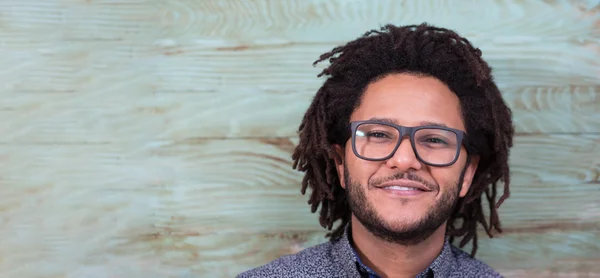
(435, 140)
(377, 134)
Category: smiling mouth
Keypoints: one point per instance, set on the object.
(404, 185)
(403, 188)
(396, 191)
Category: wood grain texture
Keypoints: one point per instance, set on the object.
(143, 251)
(257, 21)
(45, 23)
(222, 185)
(520, 56)
(104, 67)
(338, 20)
(555, 109)
(168, 65)
(515, 63)
(113, 111)
(182, 45)
(142, 116)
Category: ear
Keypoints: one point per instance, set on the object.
(339, 164)
(469, 173)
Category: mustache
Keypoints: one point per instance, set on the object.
(409, 176)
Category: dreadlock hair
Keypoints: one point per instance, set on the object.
(424, 50)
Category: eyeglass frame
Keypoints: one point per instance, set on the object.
(461, 138)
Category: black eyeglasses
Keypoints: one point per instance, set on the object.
(432, 145)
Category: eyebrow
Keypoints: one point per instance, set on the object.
(393, 121)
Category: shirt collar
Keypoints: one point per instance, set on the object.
(346, 256)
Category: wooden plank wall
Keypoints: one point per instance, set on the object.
(152, 138)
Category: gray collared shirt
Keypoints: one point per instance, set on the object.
(338, 259)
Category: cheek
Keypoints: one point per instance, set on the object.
(447, 177)
(360, 170)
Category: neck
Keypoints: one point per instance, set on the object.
(394, 260)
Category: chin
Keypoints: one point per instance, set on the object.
(404, 229)
(405, 214)
(403, 224)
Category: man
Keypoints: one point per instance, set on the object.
(400, 144)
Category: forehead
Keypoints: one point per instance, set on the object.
(410, 100)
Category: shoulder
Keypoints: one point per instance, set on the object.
(315, 261)
(467, 266)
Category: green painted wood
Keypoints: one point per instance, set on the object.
(133, 144)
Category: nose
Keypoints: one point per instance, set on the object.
(404, 158)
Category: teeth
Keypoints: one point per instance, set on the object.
(401, 188)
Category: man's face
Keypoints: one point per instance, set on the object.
(392, 214)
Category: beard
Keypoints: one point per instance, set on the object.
(409, 233)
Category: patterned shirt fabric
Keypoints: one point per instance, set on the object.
(339, 259)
